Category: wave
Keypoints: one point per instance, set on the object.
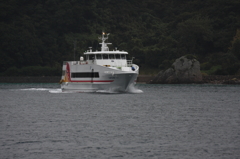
(43, 89)
(108, 91)
(35, 89)
(131, 89)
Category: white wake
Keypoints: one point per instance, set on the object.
(43, 89)
(133, 89)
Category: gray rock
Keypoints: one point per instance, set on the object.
(183, 70)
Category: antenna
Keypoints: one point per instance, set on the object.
(107, 35)
(90, 49)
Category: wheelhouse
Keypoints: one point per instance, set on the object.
(115, 58)
(106, 56)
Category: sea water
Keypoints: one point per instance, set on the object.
(153, 121)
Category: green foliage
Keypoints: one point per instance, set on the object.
(43, 33)
(12, 71)
(235, 48)
(232, 69)
(221, 64)
(190, 56)
(215, 70)
(206, 66)
(148, 71)
(165, 64)
(194, 35)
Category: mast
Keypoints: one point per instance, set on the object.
(104, 45)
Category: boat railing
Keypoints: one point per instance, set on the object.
(75, 62)
(128, 64)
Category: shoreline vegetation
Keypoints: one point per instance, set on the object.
(37, 36)
(210, 79)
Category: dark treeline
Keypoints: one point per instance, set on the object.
(37, 35)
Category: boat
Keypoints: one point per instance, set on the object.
(102, 70)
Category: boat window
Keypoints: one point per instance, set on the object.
(99, 56)
(87, 58)
(105, 56)
(91, 57)
(111, 56)
(117, 56)
(123, 56)
(85, 75)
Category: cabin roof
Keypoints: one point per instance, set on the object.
(106, 52)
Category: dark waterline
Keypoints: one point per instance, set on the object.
(165, 121)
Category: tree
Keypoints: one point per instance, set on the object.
(195, 36)
(235, 48)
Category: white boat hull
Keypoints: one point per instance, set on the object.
(109, 80)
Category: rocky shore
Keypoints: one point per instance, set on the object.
(186, 70)
(212, 79)
(218, 79)
(183, 70)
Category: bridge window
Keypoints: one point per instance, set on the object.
(117, 56)
(111, 56)
(99, 56)
(105, 56)
(91, 57)
(123, 56)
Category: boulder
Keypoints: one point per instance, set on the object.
(183, 70)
